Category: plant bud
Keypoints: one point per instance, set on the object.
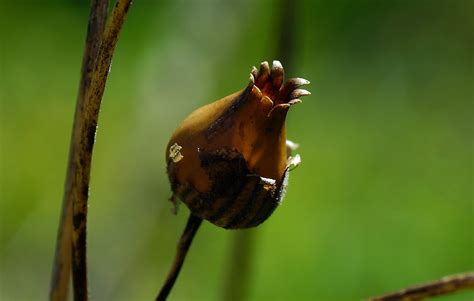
(229, 160)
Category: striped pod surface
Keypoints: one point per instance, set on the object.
(229, 161)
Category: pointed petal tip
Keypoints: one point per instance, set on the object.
(282, 106)
(292, 145)
(276, 65)
(292, 84)
(254, 71)
(277, 75)
(306, 82)
(279, 109)
(263, 72)
(251, 79)
(299, 81)
(293, 162)
(295, 101)
(298, 93)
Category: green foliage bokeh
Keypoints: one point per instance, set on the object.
(383, 198)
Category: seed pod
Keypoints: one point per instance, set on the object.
(228, 161)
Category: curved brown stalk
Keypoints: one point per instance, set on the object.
(73, 224)
(62, 259)
(444, 286)
(183, 246)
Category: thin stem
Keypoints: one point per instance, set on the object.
(85, 143)
(62, 260)
(183, 246)
(96, 65)
(444, 286)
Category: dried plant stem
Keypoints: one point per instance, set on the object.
(63, 256)
(85, 144)
(183, 246)
(73, 224)
(446, 285)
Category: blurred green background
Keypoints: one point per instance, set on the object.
(382, 200)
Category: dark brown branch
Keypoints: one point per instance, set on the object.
(183, 246)
(95, 72)
(85, 143)
(63, 256)
(446, 285)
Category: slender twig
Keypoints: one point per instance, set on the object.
(79, 166)
(446, 285)
(63, 256)
(86, 139)
(183, 246)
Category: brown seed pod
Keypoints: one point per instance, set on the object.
(228, 161)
